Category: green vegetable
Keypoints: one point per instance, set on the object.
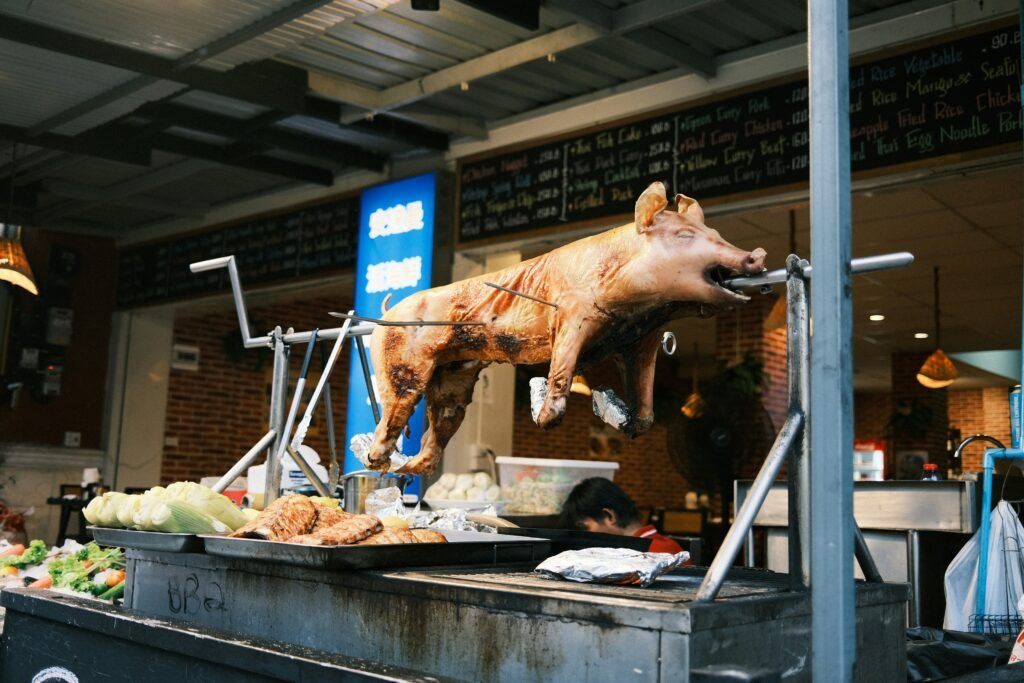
(113, 593)
(76, 573)
(34, 554)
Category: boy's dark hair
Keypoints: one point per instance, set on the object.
(591, 496)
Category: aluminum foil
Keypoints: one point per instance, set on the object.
(451, 519)
(360, 447)
(538, 392)
(610, 408)
(610, 565)
(386, 503)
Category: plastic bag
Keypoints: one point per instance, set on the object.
(1005, 585)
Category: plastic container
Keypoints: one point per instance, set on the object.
(931, 472)
(539, 486)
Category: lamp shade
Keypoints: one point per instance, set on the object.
(13, 263)
(937, 371)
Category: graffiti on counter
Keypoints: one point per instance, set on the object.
(187, 598)
(55, 674)
(926, 103)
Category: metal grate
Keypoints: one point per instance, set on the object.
(1001, 624)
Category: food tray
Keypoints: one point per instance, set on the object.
(463, 548)
(576, 539)
(146, 540)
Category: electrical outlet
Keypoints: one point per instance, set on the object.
(72, 439)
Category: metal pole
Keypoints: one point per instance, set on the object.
(798, 474)
(865, 264)
(310, 474)
(988, 464)
(368, 376)
(278, 399)
(833, 638)
(245, 461)
(864, 558)
(719, 569)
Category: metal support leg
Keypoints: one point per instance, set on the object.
(307, 470)
(244, 462)
(726, 555)
(864, 558)
(278, 401)
(798, 474)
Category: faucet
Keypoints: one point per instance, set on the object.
(976, 437)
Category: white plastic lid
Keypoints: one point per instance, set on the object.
(551, 462)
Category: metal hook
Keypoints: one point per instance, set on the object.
(668, 343)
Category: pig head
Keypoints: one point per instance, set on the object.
(606, 295)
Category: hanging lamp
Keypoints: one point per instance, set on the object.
(938, 370)
(695, 405)
(14, 267)
(778, 314)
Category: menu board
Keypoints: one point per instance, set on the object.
(299, 243)
(960, 96)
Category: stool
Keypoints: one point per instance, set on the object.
(68, 507)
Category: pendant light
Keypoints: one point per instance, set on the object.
(695, 404)
(14, 266)
(938, 370)
(778, 314)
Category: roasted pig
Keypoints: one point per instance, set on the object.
(286, 517)
(606, 295)
(428, 536)
(328, 517)
(390, 536)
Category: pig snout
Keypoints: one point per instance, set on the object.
(754, 262)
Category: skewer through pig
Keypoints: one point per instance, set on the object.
(614, 292)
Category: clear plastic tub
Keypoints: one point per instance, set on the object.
(539, 486)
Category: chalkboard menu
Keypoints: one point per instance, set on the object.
(960, 96)
(298, 243)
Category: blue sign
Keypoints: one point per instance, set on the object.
(396, 243)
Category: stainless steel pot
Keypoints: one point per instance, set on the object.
(358, 485)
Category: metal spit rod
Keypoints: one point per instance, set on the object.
(249, 341)
(865, 264)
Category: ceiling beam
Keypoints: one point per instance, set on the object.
(259, 130)
(127, 188)
(632, 22)
(89, 193)
(125, 153)
(594, 23)
(257, 84)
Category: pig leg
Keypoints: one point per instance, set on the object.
(449, 392)
(635, 415)
(401, 380)
(569, 339)
(640, 383)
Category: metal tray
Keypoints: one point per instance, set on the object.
(146, 540)
(463, 548)
(576, 539)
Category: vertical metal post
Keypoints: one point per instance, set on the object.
(988, 464)
(278, 401)
(798, 474)
(831, 542)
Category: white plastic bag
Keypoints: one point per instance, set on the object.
(1005, 585)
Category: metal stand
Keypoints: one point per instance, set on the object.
(792, 440)
(277, 437)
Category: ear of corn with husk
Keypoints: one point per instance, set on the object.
(182, 507)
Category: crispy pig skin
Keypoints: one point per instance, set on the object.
(328, 517)
(286, 517)
(346, 532)
(428, 536)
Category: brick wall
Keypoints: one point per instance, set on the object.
(979, 411)
(909, 394)
(216, 414)
(645, 471)
(871, 412)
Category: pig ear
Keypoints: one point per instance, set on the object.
(650, 202)
(689, 206)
